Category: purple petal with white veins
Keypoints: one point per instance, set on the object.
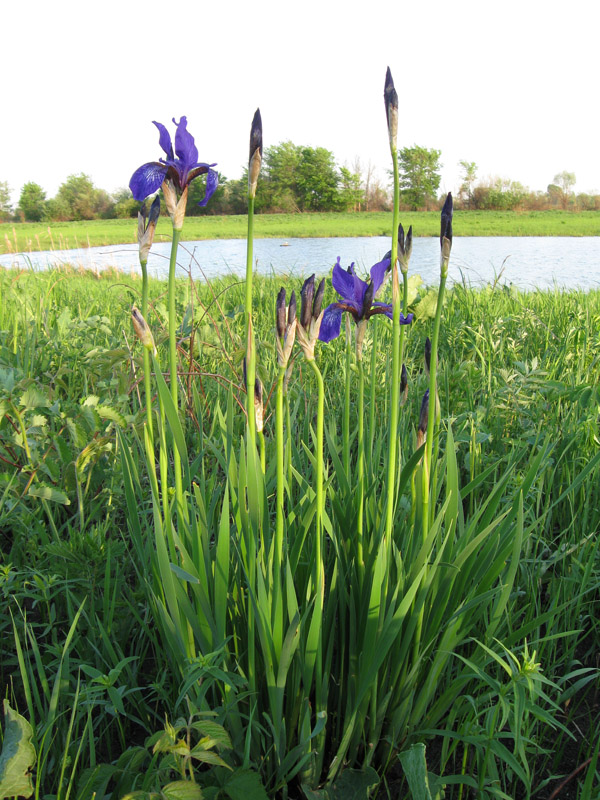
(378, 273)
(331, 323)
(185, 147)
(406, 320)
(212, 181)
(164, 139)
(342, 281)
(147, 179)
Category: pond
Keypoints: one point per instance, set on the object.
(527, 262)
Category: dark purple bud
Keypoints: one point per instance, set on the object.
(446, 227)
(318, 301)
(408, 243)
(367, 301)
(280, 313)
(403, 384)
(424, 415)
(292, 309)
(154, 211)
(390, 97)
(306, 302)
(427, 355)
(256, 142)
(401, 238)
(258, 391)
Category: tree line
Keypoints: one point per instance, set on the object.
(296, 178)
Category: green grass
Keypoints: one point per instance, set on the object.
(29, 236)
(82, 655)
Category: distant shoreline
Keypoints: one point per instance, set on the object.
(35, 236)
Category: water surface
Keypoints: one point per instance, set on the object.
(527, 262)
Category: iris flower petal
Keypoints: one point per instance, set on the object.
(164, 139)
(342, 281)
(185, 147)
(331, 323)
(147, 179)
(378, 273)
(212, 181)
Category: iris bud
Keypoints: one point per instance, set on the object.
(403, 385)
(318, 301)
(390, 97)
(423, 419)
(256, 150)
(306, 302)
(367, 300)
(142, 330)
(146, 227)
(427, 355)
(292, 309)
(280, 313)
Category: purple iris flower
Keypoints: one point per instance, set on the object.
(356, 297)
(180, 170)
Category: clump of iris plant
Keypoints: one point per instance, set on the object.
(356, 298)
(174, 173)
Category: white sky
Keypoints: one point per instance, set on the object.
(511, 85)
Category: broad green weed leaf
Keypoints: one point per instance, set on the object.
(423, 785)
(181, 790)
(245, 784)
(17, 757)
(34, 398)
(45, 492)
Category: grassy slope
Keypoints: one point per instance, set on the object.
(30, 236)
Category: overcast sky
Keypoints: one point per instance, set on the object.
(511, 86)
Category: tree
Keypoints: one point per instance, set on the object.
(565, 182)
(317, 180)
(465, 193)
(352, 194)
(79, 198)
(32, 202)
(5, 205)
(419, 175)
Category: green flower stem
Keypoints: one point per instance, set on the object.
(396, 366)
(280, 474)
(147, 369)
(432, 404)
(318, 576)
(263, 457)
(346, 420)
(250, 351)
(375, 329)
(360, 465)
(181, 508)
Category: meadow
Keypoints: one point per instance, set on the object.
(29, 236)
(157, 643)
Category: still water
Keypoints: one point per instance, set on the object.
(527, 262)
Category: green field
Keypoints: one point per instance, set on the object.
(29, 236)
(110, 625)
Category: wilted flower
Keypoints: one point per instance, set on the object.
(356, 297)
(311, 316)
(142, 330)
(174, 174)
(256, 150)
(146, 227)
(286, 332)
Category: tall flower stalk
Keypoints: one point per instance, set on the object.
(174, 174)
(146, 228)
(391, 108)
(254, 164)
(445, 246)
